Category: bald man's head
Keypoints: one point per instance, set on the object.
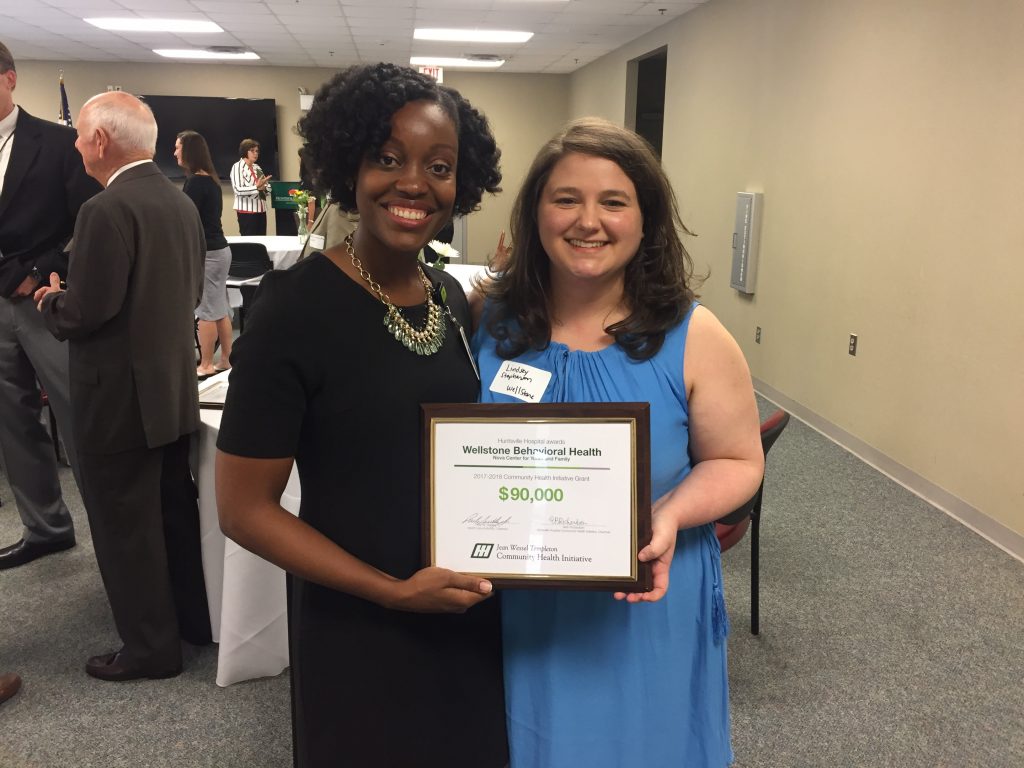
(114, 129)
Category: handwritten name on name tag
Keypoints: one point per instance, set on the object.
(523, 382)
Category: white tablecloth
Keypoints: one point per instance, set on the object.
(248, 609)
(464, 273)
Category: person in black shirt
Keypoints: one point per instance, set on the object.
(393, 664)
(203, 187)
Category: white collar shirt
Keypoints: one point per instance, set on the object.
(124, 168)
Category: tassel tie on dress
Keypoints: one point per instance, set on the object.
(719, 617)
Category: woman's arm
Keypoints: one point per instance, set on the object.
(262, 179)
(725, 435)
(725, 444)
(476, 299)
(248, 494)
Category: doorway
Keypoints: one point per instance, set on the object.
(645, 96)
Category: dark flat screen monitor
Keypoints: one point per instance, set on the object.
(222, 122)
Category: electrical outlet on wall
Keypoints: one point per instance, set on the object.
(757, 335)
(853, 344)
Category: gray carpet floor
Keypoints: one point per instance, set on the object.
(890, 636)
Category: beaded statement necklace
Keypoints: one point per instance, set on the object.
(424, 341)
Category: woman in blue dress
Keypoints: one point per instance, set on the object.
(595, 292)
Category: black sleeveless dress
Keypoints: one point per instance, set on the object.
(317, 376)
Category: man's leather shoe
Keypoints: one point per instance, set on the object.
(9, 685)
(114, 667)
(27, 551)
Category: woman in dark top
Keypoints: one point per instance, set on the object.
(202, 185)
(392, 664)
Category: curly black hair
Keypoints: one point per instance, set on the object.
(659, 279)
(351, 119)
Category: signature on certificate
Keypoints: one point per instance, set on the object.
(566, 522)
(477, 520)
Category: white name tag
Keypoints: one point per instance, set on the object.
(523, 382)
(316, 242)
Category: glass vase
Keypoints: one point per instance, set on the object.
(302, 226)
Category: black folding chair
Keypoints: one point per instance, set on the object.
(249, 262)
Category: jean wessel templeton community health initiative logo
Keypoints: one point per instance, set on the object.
(482, 551)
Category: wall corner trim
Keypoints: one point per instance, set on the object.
(994, 531)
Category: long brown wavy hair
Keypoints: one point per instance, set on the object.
(657, 291)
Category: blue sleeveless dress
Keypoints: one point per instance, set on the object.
(591, 681)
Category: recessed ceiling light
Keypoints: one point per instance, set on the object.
(154, 25)
(440, 61)
(473, 35)
(197, 53)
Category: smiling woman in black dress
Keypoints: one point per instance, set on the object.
(392, 664)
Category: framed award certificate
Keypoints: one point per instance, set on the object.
(552, 495)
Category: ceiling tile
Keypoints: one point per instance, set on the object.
(568, 35)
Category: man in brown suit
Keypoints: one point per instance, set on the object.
(134, 280)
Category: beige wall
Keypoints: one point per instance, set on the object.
(524, 111)
(888, 139)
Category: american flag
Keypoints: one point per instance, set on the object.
(64, 115)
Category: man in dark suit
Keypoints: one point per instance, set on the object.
(42, 186)
(135, 278)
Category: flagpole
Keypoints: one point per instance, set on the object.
(64, 111)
